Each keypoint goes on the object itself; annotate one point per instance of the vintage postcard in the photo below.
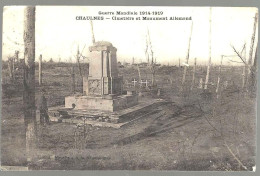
(129, 88)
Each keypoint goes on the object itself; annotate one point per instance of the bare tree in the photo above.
(92, 31)
(187, 58)
(146, 49)
(29, 81)
(78, 61)
(152, 63)
(251, 71)
(78, 57)
(239, 55)
(252, 42)
(209, 61)
(251, 68)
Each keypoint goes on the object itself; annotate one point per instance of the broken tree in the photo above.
(152, 63)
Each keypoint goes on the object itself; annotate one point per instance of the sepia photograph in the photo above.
(129, 88)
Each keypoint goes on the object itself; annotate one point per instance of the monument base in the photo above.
(104, 118)
(105, 103)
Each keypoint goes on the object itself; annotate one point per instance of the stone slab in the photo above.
(101, 103)
(13, 168)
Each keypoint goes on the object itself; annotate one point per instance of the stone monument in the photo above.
(103, 86)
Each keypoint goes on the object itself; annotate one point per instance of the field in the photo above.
(192, 130)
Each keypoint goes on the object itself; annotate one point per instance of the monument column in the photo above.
(102, 78)
(110, 70)
(108, 64)
(105, 73)
(105, 62)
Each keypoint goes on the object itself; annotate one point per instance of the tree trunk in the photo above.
(13, 65)
(17, 56)
(78, 57)
(219, 75)
(252, 42)
(92, 30)
(153, 75)
(10, 68)
(187, 58)
(207, 77)
(249, 81)
(254, 73)
(15, 59)
(184, 76)
(40, 70)
(244, 75)
(194, 72)
(80, 72)
(153, 63)
(29, 82)
(139, 74)
(73, 80)
(209, 61)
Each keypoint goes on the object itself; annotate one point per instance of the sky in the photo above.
(58, 33)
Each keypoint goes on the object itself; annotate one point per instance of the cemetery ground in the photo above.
(192, 130)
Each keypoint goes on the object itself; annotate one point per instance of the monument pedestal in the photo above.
(101, 103)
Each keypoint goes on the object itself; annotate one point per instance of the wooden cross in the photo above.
(146, 83)
(134, 81)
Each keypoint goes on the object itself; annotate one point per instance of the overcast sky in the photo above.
(58, 32)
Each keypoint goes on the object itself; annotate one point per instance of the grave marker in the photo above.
(146, 83)
(134, 81)
(201, 83)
